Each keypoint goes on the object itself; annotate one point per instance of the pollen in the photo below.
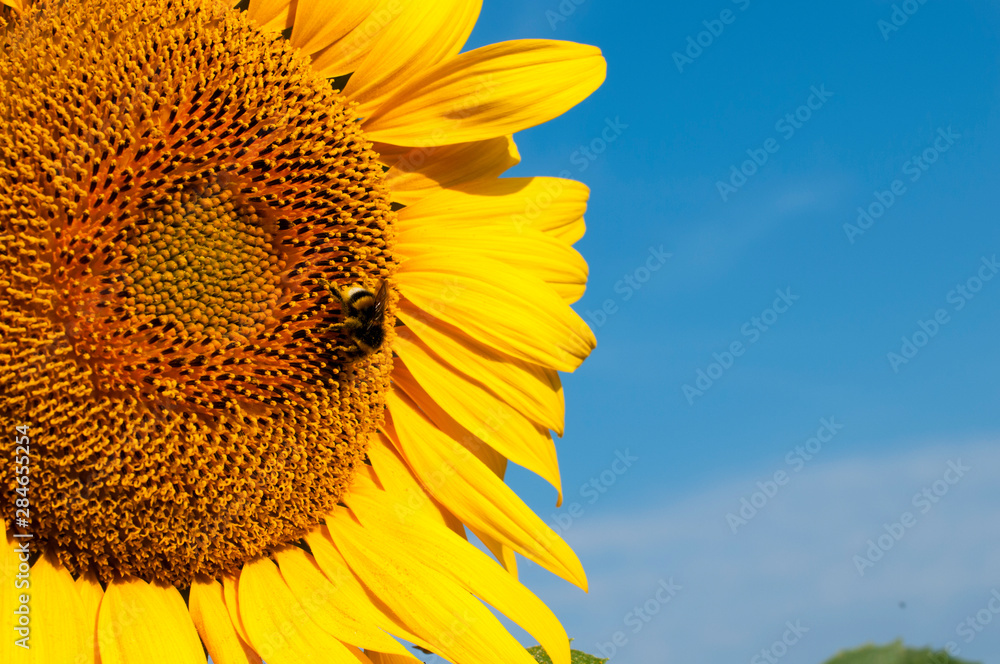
(175, 187)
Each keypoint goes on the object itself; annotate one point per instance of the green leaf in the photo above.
(576, 657)
(894, 653)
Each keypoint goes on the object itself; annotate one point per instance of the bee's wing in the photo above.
(381, 295)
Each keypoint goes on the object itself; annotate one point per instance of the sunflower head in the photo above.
(178, 192)
(272, 326)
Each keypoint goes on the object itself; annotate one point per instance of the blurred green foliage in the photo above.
(894, 653)
(576, 657)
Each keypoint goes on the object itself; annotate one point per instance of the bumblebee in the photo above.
(363, 315)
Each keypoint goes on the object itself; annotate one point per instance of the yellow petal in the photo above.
(505, 555)
(455, 624)
(383, 658)
(425, 34)
(552, 205)
(401, 486)
(474, 493)
(320, 23)
(493, 460)
(366, 607)
(534, 391)
(416, 173)
(271, 15)
(16, 4)
(211, 619)
(497, 305)
(359, 655)
(426, 546)
(91, 593)
(403, 380)
(230, 594)
(57, 628)
(345, 54)
(552, 261)
(491, 91)
(491, 420)
(142, 623)
(278, 626)
(504, 430)
(330, 608)
(9, 593)
(385, 456)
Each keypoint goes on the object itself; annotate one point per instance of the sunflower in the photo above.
(271, 327)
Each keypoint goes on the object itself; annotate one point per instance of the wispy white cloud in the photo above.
(794, 560)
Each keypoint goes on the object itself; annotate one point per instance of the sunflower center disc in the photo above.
(206, 265)
(177, 193)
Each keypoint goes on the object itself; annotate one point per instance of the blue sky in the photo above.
(885, 326)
